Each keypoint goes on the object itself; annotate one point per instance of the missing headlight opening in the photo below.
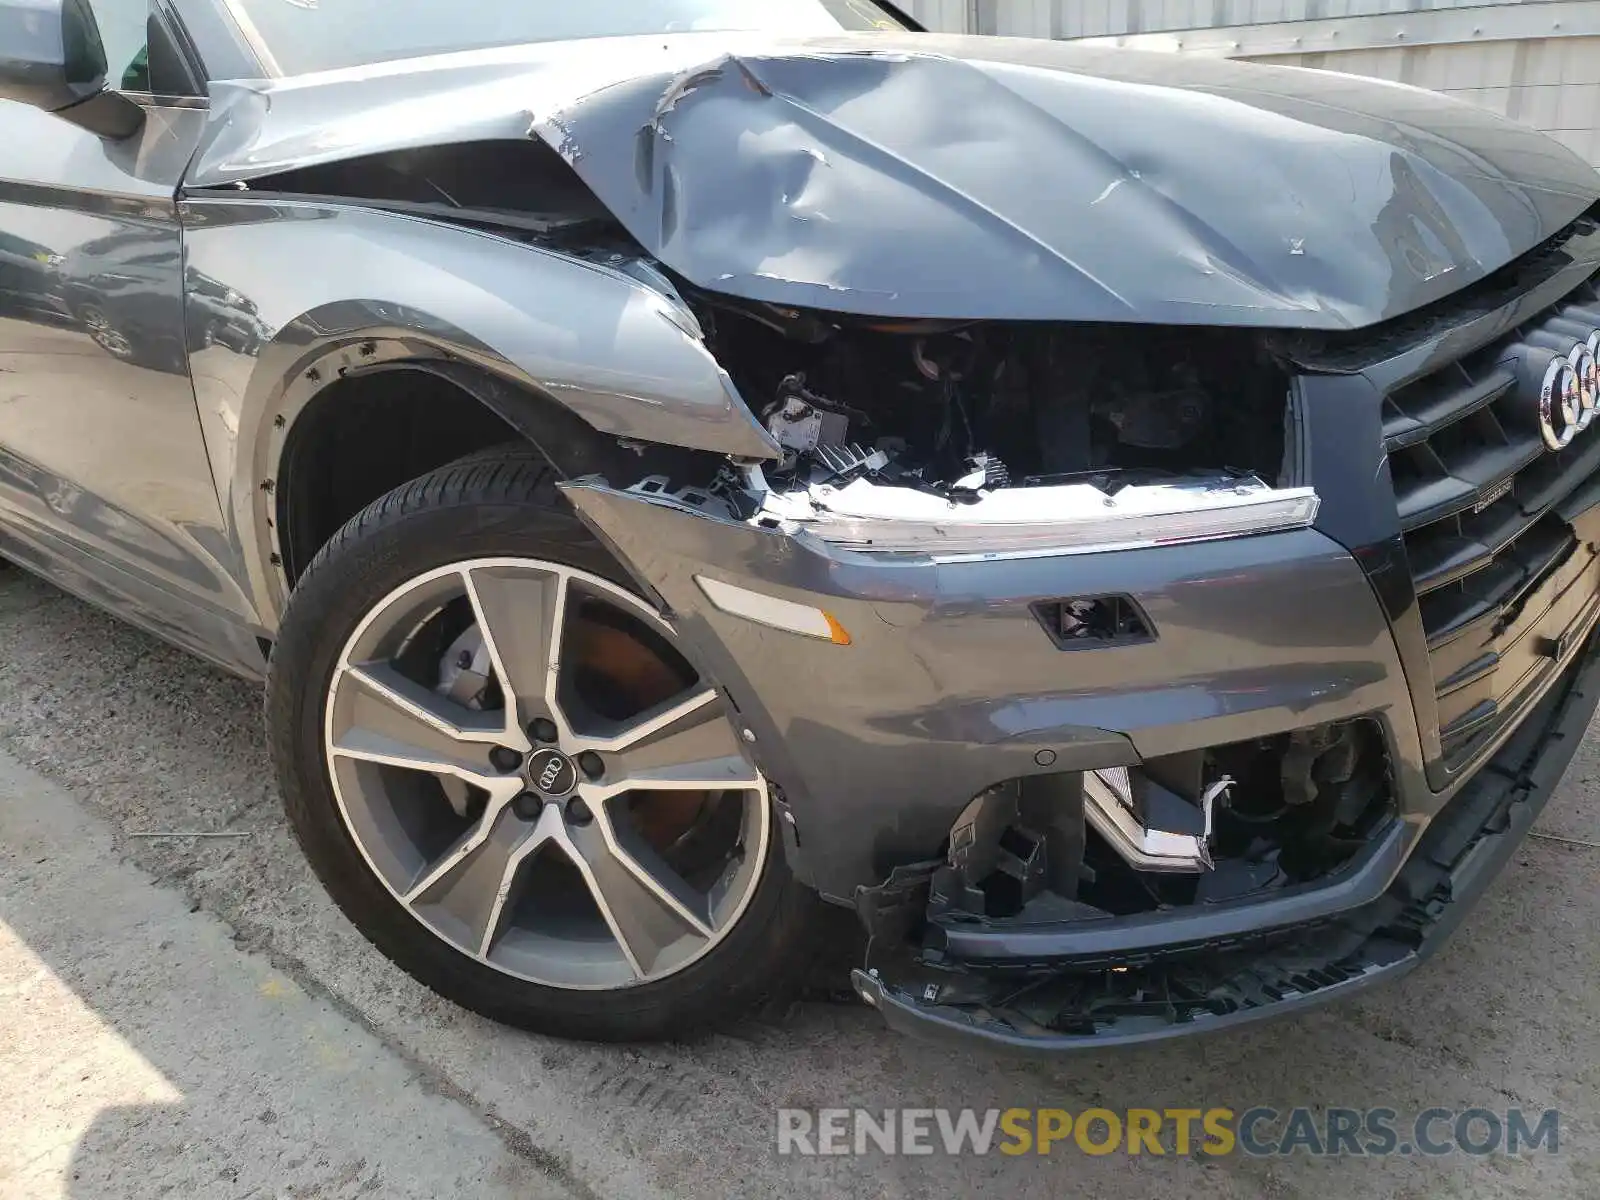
(981, 405)
(982, 439)
(1229, 823)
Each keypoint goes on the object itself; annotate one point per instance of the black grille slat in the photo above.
(1471, 673)
(1523, 649)
(1581, 502)
(1430, 410)
(1449, 550)
(1442, 556)
(1469, 613)
(1556, 476)
(1487, 511)
(1470, 477)
(1428, 500)
(1446, 616)
(1497, 629)
(1464, 726)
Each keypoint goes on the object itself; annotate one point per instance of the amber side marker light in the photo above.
(774, 612)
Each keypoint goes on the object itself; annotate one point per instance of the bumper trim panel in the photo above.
(1122, 938)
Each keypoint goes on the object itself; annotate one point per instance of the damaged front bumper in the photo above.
(935, 680)
(951, 678)
(1226, 980)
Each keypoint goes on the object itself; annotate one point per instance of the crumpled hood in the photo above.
(994, 178)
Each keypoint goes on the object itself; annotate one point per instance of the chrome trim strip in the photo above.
(1077, 517)
(1143, 848)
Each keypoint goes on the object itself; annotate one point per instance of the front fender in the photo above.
(328, 289)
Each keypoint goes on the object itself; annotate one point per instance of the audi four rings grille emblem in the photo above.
(1569, 393)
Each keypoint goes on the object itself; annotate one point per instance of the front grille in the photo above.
(1498, 527)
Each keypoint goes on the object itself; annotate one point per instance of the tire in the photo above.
(492, 509)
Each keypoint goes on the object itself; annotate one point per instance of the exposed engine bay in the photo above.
(906, 422)
(985, 405)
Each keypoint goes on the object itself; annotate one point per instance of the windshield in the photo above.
(321, 35)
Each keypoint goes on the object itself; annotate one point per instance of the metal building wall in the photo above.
(1537, 61)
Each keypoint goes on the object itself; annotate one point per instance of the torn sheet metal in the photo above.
(978, 178)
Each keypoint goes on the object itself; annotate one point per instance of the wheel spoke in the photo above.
(475, 885)
(383, 717)
(467, 844)
(647, 913)
(522, 614)
(687, 745)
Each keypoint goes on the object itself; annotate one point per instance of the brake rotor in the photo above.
(626, 676)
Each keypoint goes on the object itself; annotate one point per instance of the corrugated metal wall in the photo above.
(1537, 61)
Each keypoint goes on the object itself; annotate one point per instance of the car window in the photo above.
(319, 35)
(123, 33)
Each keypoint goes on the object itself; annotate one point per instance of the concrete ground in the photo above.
(193, 1017)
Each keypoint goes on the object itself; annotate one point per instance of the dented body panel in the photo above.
(950, 686)
(974, 178)
(621, 355)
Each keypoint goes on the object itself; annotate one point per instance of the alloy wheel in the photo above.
(106, 335)
(535, 773)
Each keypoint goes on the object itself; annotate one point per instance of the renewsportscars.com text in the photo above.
(1258, 1132)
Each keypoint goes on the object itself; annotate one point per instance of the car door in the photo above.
(105, 483)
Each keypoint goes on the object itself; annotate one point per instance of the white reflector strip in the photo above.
(771, 611)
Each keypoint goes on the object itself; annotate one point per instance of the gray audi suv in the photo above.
(1126, 527)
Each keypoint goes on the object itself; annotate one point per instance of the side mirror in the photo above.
(51, 57)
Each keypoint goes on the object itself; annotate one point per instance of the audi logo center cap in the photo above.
(552, 774)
